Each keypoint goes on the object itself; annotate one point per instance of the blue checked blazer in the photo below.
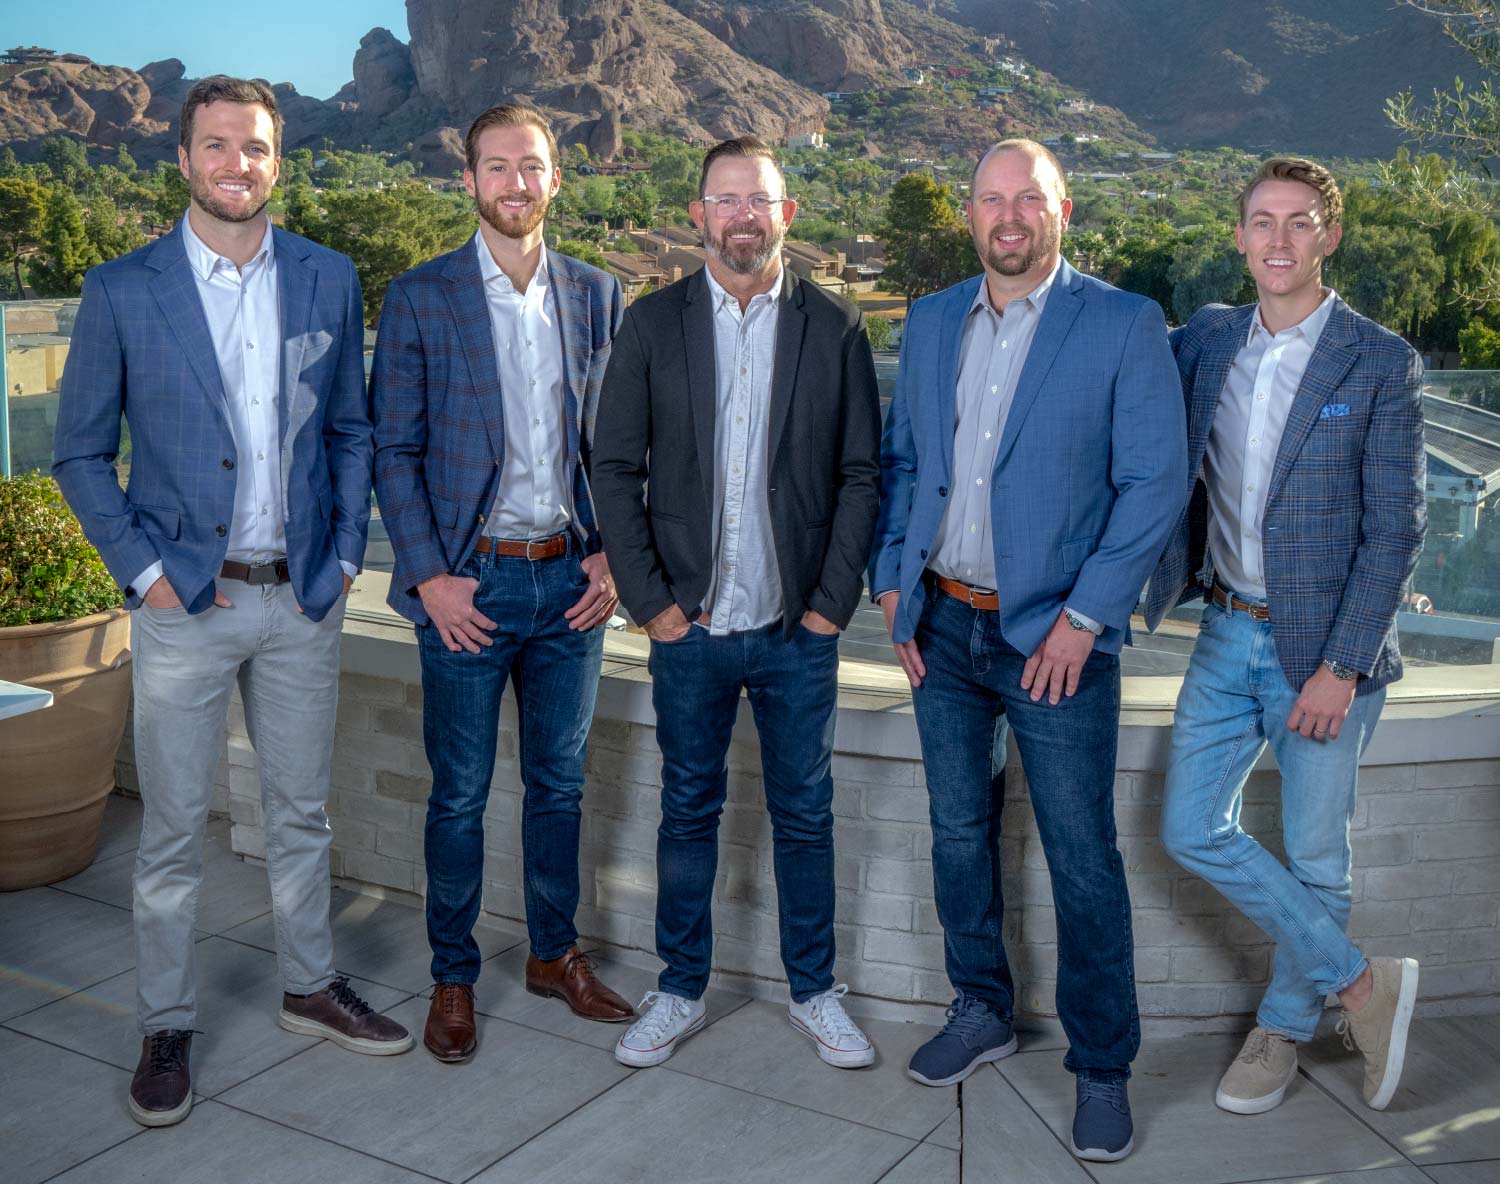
(141, 346)
(1346, 510)
(439, 425)
(1089, 476)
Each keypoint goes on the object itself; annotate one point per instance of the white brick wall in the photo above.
(1426, 838)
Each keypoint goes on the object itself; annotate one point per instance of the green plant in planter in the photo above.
(48, 570)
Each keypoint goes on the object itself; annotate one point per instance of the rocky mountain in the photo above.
(1306, 75)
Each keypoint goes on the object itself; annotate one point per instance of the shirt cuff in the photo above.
(349, 569)
(142, 583)
(1089, 623)
(883, 592)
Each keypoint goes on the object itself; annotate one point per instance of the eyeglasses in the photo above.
(725, 205)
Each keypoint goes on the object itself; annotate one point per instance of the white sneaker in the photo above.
(839, 1041)
(665, 1019)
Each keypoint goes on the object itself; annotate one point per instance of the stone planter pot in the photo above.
(58, 765)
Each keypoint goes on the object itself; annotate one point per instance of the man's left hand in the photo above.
(596, 605)
(1321, 707)
(816, 622)
(1054, 669)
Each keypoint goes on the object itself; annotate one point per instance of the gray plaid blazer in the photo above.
(1346, 510)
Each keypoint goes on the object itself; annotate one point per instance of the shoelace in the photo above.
(449, 995)
(168, 1051)
(1106, 1089)
(343, 994)
(967, 1018)
(829, 1012)
(1345, 1029)
(661, 1011)
(1257, 1049)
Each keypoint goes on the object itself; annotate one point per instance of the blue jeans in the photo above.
(1234, 700)
(793, 688)
(973, 681)
(555, 672)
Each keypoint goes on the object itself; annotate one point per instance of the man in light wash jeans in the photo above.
(233, 350)
(1307, 472)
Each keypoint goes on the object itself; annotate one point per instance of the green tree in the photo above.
(301, 209)
(125, 162)
(596, 195)
(880, 332)
(66, 157)
(23, 211)
(927, 244)
(9, 165)
(66, 250)
(1206, 268)
(1389, 273)
(1479, 346)
(170, 194)
(110, 233)
(588, 252)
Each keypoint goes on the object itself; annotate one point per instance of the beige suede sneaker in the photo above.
(1258, 1078)
(1378, 1029)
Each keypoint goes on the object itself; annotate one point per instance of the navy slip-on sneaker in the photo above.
(972, 1036)
(1102, 1127)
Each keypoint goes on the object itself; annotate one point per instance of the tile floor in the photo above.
(544, 1101)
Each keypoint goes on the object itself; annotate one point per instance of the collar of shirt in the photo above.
(495, 278)
(204, 260)
(1311, 326)
(722, 298)
(1037, 297)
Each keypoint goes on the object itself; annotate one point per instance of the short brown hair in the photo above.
(1297, 168)
(508, 115)
(221, 88)
(739, 146)
(1030, 148)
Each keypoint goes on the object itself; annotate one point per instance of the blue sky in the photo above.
(309, 43)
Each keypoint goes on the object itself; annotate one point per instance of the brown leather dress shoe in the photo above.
(571, 978)
(449, 1034)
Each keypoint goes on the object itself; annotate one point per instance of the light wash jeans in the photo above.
(183, 671)
(1234, 701)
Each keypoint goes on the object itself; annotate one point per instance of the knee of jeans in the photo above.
(1326, 870)
(1184, 841)
(801, 826)
(689, 822)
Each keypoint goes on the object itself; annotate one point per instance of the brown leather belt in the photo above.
(274, 572)
(979, 598)
(549, 548)
(1224, 598)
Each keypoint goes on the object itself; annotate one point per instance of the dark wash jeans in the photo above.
(695, 688)
(1068, 751)
(555, 673)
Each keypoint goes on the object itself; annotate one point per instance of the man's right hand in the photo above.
(161, 594)
(449, 601)
(667, 625)
(906, 651)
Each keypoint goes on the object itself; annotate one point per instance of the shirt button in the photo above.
(533, 382)
(978, 480)
(263, 511)
(986, 435)
(536, 422)
(1249, 489)
(1005, 345)
(1254, 440)
(736, 470)
(994, 390)
(260, 456)
(973, 527)
(255, 402)
(1260, 396)
(480, 519)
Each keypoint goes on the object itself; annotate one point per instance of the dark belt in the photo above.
(549, 548)
(1224, 598)
(980, 598)
(273, 572)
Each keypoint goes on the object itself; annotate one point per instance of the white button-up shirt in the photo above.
(243, 310)
(535, 498)
(744, 589)
(1244, 439)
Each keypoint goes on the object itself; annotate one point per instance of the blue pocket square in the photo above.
(1332, 410)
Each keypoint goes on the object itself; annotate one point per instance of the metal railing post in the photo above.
(4, 402)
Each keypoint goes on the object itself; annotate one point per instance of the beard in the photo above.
(746, 258)
(514, 224)
(207, 198)
(1020, 262)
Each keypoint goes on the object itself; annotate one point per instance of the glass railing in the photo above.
(1452, 616)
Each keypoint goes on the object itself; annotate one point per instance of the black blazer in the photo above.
(656, 421)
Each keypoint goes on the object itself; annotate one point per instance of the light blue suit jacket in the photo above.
(1090, 475)
(141, 347)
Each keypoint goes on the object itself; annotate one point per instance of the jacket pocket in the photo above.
(444, 512)
(159, 520)
(1074, 552)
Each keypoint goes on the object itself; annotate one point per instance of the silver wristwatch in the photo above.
(1076, 621)
(1340, 671)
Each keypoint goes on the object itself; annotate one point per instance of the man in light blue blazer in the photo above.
(233, 350)
(1307, 474)
(1033, 465)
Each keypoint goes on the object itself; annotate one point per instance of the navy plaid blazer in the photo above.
(1346, 510)
(439, 425)
(141, 346)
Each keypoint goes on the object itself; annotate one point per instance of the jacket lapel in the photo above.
(297, 285)
(951, 341)
(1209, 377)
(1330, 362)
(702, 393)
(570, 304)
(1062, 308)
(176, 294)
(791, 326)
(471, 318)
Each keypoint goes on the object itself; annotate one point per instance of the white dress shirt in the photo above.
(1244, 439)
(243, 309)
(535, 498)
(744, 590)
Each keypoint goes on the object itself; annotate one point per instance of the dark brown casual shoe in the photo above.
(449, 1035)
(336, 1013)
(161, 1092)
(571, 978)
